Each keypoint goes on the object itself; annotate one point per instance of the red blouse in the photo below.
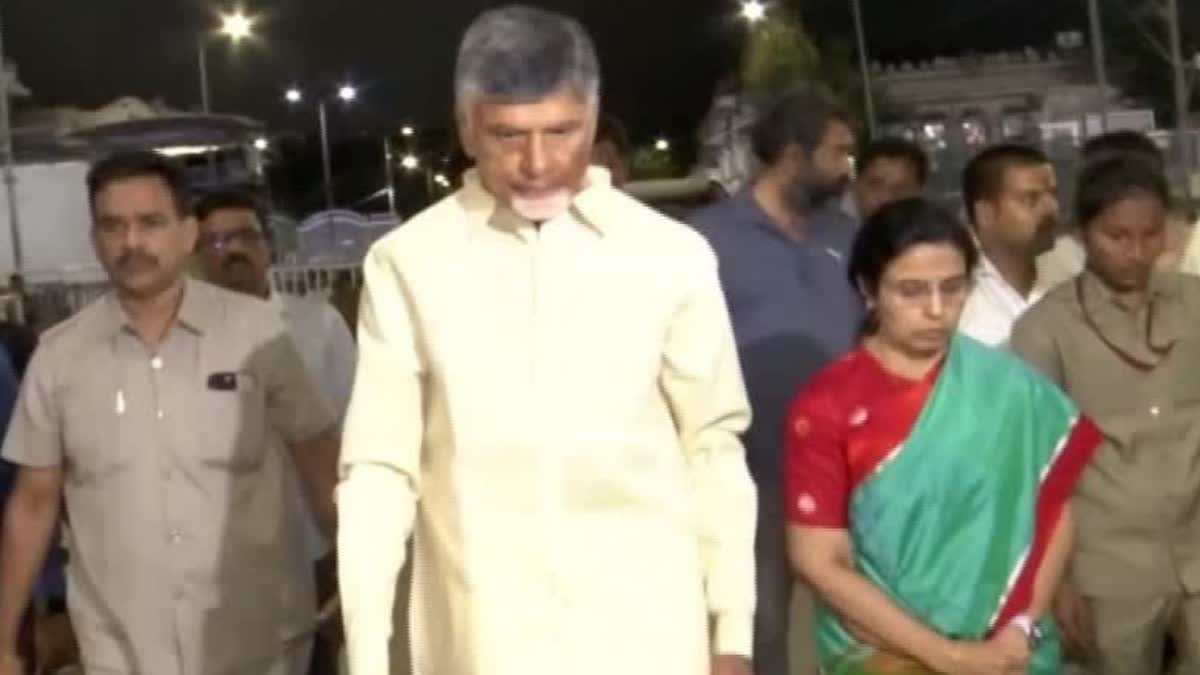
(841, 425)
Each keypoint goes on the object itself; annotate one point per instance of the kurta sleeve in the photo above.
(703, 385)
(380, 465)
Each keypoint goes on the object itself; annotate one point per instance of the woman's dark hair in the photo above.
(1122, 143)
(1112, 178)
(896, 228)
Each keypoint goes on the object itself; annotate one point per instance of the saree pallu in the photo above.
(963, 481)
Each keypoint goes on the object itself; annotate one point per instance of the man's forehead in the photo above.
(892, 166)
(1029, 176)
(837, 132)
(231, 217)
(135, 192)
(555, 108)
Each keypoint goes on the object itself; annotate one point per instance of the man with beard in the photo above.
(168, 414)
(235, 254)
(1011, 199)
(782, 246)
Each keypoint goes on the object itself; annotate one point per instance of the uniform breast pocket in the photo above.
(232, 428)
(92, 434)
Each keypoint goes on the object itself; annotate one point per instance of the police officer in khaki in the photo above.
(1123, 340)
(165, 412)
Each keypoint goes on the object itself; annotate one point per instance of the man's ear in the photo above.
(466, 131)
(983, 215)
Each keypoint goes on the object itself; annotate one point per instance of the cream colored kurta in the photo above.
(554, 413)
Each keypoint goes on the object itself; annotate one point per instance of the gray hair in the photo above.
(522, 54)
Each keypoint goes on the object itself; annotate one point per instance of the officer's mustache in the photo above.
(235, 258)
(136, 259)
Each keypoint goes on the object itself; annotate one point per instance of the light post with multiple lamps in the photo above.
(346, 93)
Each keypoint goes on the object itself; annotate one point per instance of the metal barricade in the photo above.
(317, 280)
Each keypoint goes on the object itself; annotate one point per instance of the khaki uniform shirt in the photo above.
(1138, 503)
(187, 549)
(560, 408)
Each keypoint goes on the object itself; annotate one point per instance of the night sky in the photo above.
(661, 57)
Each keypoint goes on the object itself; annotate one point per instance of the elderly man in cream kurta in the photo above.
(548, 397)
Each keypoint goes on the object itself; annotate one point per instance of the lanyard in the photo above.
(1134, 362)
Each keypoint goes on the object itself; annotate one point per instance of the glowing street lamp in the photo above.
(754, 11)
(237, 26)
(346, 93)
(410, 162)
(261, 144)
(407, 131)
(662, 145)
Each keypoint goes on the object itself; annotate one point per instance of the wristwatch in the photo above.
(1025, 624)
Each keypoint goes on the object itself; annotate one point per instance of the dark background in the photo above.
(661, 57)
(661, 61)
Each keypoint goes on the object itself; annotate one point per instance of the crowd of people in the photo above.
(600, 440)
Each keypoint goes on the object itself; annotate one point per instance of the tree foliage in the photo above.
(780, 51)
(1139, 58)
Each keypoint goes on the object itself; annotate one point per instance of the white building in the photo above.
(1027, 95)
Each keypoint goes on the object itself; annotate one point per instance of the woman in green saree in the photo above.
(928, 476)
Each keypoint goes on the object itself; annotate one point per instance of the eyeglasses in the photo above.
(918, 291)
(1161, 351)
(218, 242)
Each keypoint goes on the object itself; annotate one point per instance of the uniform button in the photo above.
(156, 363)
(1155, 411)
(160, 414)
(176, 536)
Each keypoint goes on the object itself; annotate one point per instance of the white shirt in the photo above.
(325, 344)
(554, 412)
(327, 349)
(993, 306)
(1062, 263)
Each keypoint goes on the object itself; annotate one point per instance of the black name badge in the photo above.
(223, 381)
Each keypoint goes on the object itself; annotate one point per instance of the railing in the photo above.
(313, 279)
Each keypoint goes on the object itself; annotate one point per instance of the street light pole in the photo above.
(389, 175)
(6, 149)
(1098, 60)
(202, 62)
(347, 93)
(325, 160)
(237, 27)
(1181, 102)
(863, 62)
